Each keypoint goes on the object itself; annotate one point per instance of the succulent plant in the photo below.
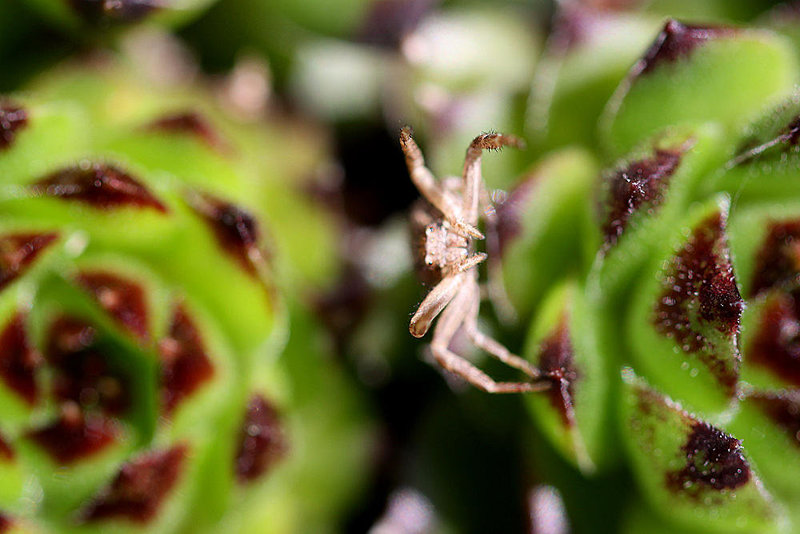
(657, 265)
(146, 381)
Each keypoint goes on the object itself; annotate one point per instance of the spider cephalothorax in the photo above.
(444, 225)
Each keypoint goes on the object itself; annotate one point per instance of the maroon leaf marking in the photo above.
(778, 260)
(509, 214)
(74, 435)
(19, 360)
(6, 452)
(110, 12)
(641, 184)
(5, 523)
(752, 147)
(572, 26)
(580, 23)
(235, 229)
(387, 22)
(17, 252)
(12, 119)
(677, 41)
(122, 299)
(713, 460)
(784, 410)
(345, 304)
(185, 364)
(776, 343)
(190, 123)
(262, 442)
(100, 185)
(557, 361)
(612, 5)
(140, 488)
(791, 133)
(81, 372)
(700, 302)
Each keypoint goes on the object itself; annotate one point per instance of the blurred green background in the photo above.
(327, 85)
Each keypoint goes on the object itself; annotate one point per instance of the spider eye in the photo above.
(428, 261)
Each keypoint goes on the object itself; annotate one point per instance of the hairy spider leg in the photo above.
(427, 185)
(494, 347)
(434, 302)
(452, 318)
(469, 262)
(473, 180)
(441, 295)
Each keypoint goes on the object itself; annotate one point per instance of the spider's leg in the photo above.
(473, 182)
(492, 346)
(434, 303)
(470, 262)
(452, 318)
(444, 200)
(464, 229)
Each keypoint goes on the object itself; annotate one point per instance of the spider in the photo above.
(444, 225)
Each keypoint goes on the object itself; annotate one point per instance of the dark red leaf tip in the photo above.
(140, 488)
(262, 441)
(388, 22)
(17, 252)
(580, 23)
(557, 362)
(235, 229)
(791, 132)
(185, 365)
(510, 212)
(123, 299)
(677, 41)
(5, 523)
(19, 360)
(100, 185)
(641, 184)
(189, 123)
(783, 409)
(68, 336)
(81, 372)
(700, 306)
(12, 119)
(6, 452)
(776, 342)
(74, 435)
(752, 148)
(777, 262)
(114, 12)
(714, 460)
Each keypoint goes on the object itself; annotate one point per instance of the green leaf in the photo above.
(769, 425)
(697, 74)
(588, 54)
(541, 223)
(696, 471)
(684, 323)
(574, 414)
(643, 196)
(764, 241)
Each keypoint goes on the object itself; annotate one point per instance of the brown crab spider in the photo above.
(445, 226)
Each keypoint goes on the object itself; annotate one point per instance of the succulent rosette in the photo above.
(659, 268)
(146, 383)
